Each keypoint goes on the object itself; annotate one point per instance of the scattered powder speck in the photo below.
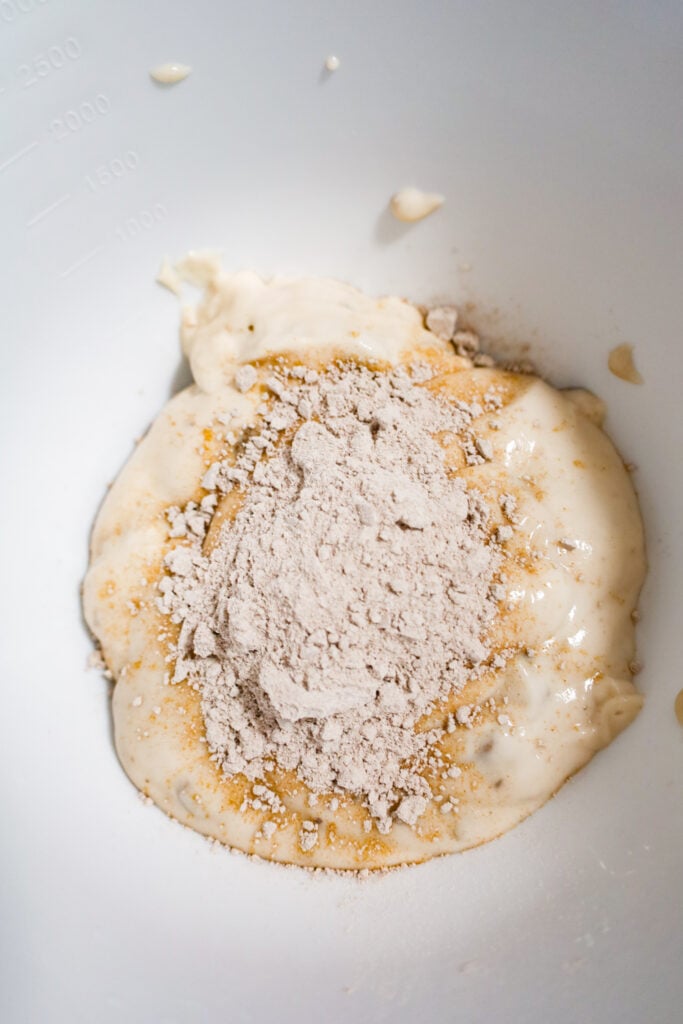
(308, 836)
(485, 448)
(466, 343)
(464, 714)
(442, 321)
(410, 809)
(245, 378)
(96, 661)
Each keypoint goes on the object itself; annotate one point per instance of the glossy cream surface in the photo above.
(574, 567)
(170, 73)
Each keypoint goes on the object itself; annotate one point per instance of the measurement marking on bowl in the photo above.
(145, 220)
(10, 10)
(77, 118)
(53, 58)
(17, 156)
(80, 262)
(110, 170)
(42, 214)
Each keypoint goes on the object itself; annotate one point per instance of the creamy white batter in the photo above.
(170, 73)
(575, 566)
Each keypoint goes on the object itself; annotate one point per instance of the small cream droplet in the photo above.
(678, 706)
(411, 204)
(170, 73)
(332, 63)
(620, 362)
(169, 277)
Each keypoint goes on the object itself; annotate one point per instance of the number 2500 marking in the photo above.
(54, 58)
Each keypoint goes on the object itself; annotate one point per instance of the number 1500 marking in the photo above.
(108, 172)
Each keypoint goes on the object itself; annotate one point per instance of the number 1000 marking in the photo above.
(143, 221)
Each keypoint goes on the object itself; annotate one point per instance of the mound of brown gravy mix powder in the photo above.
(352, 590)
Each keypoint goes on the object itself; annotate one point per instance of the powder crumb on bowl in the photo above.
(466, 343)
(621, 364)
(170, 73)
(442, 321)
(412, 204)
(245, 378)
(410, 809)
(96, 662)
(308, 836)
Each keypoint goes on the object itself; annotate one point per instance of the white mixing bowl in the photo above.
(554, 131)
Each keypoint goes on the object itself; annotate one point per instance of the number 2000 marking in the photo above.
(78, 117)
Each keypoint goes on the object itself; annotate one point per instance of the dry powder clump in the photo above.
(352, 591)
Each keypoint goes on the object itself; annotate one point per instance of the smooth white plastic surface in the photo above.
(554, 131)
